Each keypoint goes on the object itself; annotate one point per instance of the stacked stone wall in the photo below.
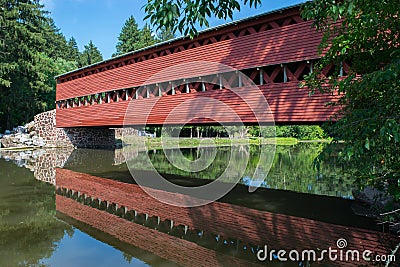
(45, 125)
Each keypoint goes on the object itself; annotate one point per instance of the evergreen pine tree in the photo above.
(165, 34)
(129, 38)
(90, 55)
(73, 51)
(146, 37)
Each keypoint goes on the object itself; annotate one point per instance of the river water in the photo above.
(83, 208)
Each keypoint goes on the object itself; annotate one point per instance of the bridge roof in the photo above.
(181, 38)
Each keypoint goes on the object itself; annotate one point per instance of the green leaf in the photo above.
(367, 143)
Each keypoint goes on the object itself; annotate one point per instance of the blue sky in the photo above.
(101, 20)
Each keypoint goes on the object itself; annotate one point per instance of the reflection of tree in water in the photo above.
(28, 228)
(292, 167)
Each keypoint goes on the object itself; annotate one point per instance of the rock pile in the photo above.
(25, 159)
(22, 136)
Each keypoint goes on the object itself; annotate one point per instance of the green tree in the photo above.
(132, 38)
(165, 34)
(73, 51)
(56, 45)
(364, 34)
(129, 38)
(21, 75)
(90, 55)
(32, 52)
(146, 37)
(183, 16)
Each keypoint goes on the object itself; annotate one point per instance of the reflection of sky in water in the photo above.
(83, 250)
(260, 180)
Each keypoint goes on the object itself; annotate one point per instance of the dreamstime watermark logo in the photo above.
(227, 98)
(334, 254)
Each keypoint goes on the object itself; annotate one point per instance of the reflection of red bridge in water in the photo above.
(215, 234)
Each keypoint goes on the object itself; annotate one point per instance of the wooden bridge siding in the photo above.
(230, 221)
(288, 104)
(288, 13)
(285, 44)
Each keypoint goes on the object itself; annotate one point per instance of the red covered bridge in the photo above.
(273, 50)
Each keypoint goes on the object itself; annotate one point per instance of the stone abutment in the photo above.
(46, 128)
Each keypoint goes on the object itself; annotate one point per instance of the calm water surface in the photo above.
(82, 208)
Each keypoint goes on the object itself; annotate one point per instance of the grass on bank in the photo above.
(158, 143)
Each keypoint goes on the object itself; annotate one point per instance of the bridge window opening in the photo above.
(170, 92)
(331, 70)
(221, 37)
(110, 97)
(141, 93)
(291, 69)
(297, 70)
(95, 99)
(152, 91)
(306, 71)
(231, 80)
(258, 28)
(280, 22)
(129, 93)
(241, 32)
(252, 74)
(117, 95)
(285, 21)
(103, 97)
(292, 21)
(346, 67)
(208, 87)
(186, 46)
(199, 87)
(274, 74)
(165, 88)
(285, 76)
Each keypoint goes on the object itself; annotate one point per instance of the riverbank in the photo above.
(159, 143)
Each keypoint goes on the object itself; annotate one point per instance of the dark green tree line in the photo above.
(32, 52)
(132, 38)
(90, 55)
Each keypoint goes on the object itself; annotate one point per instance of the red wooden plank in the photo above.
(286, 101)
(240, 53)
